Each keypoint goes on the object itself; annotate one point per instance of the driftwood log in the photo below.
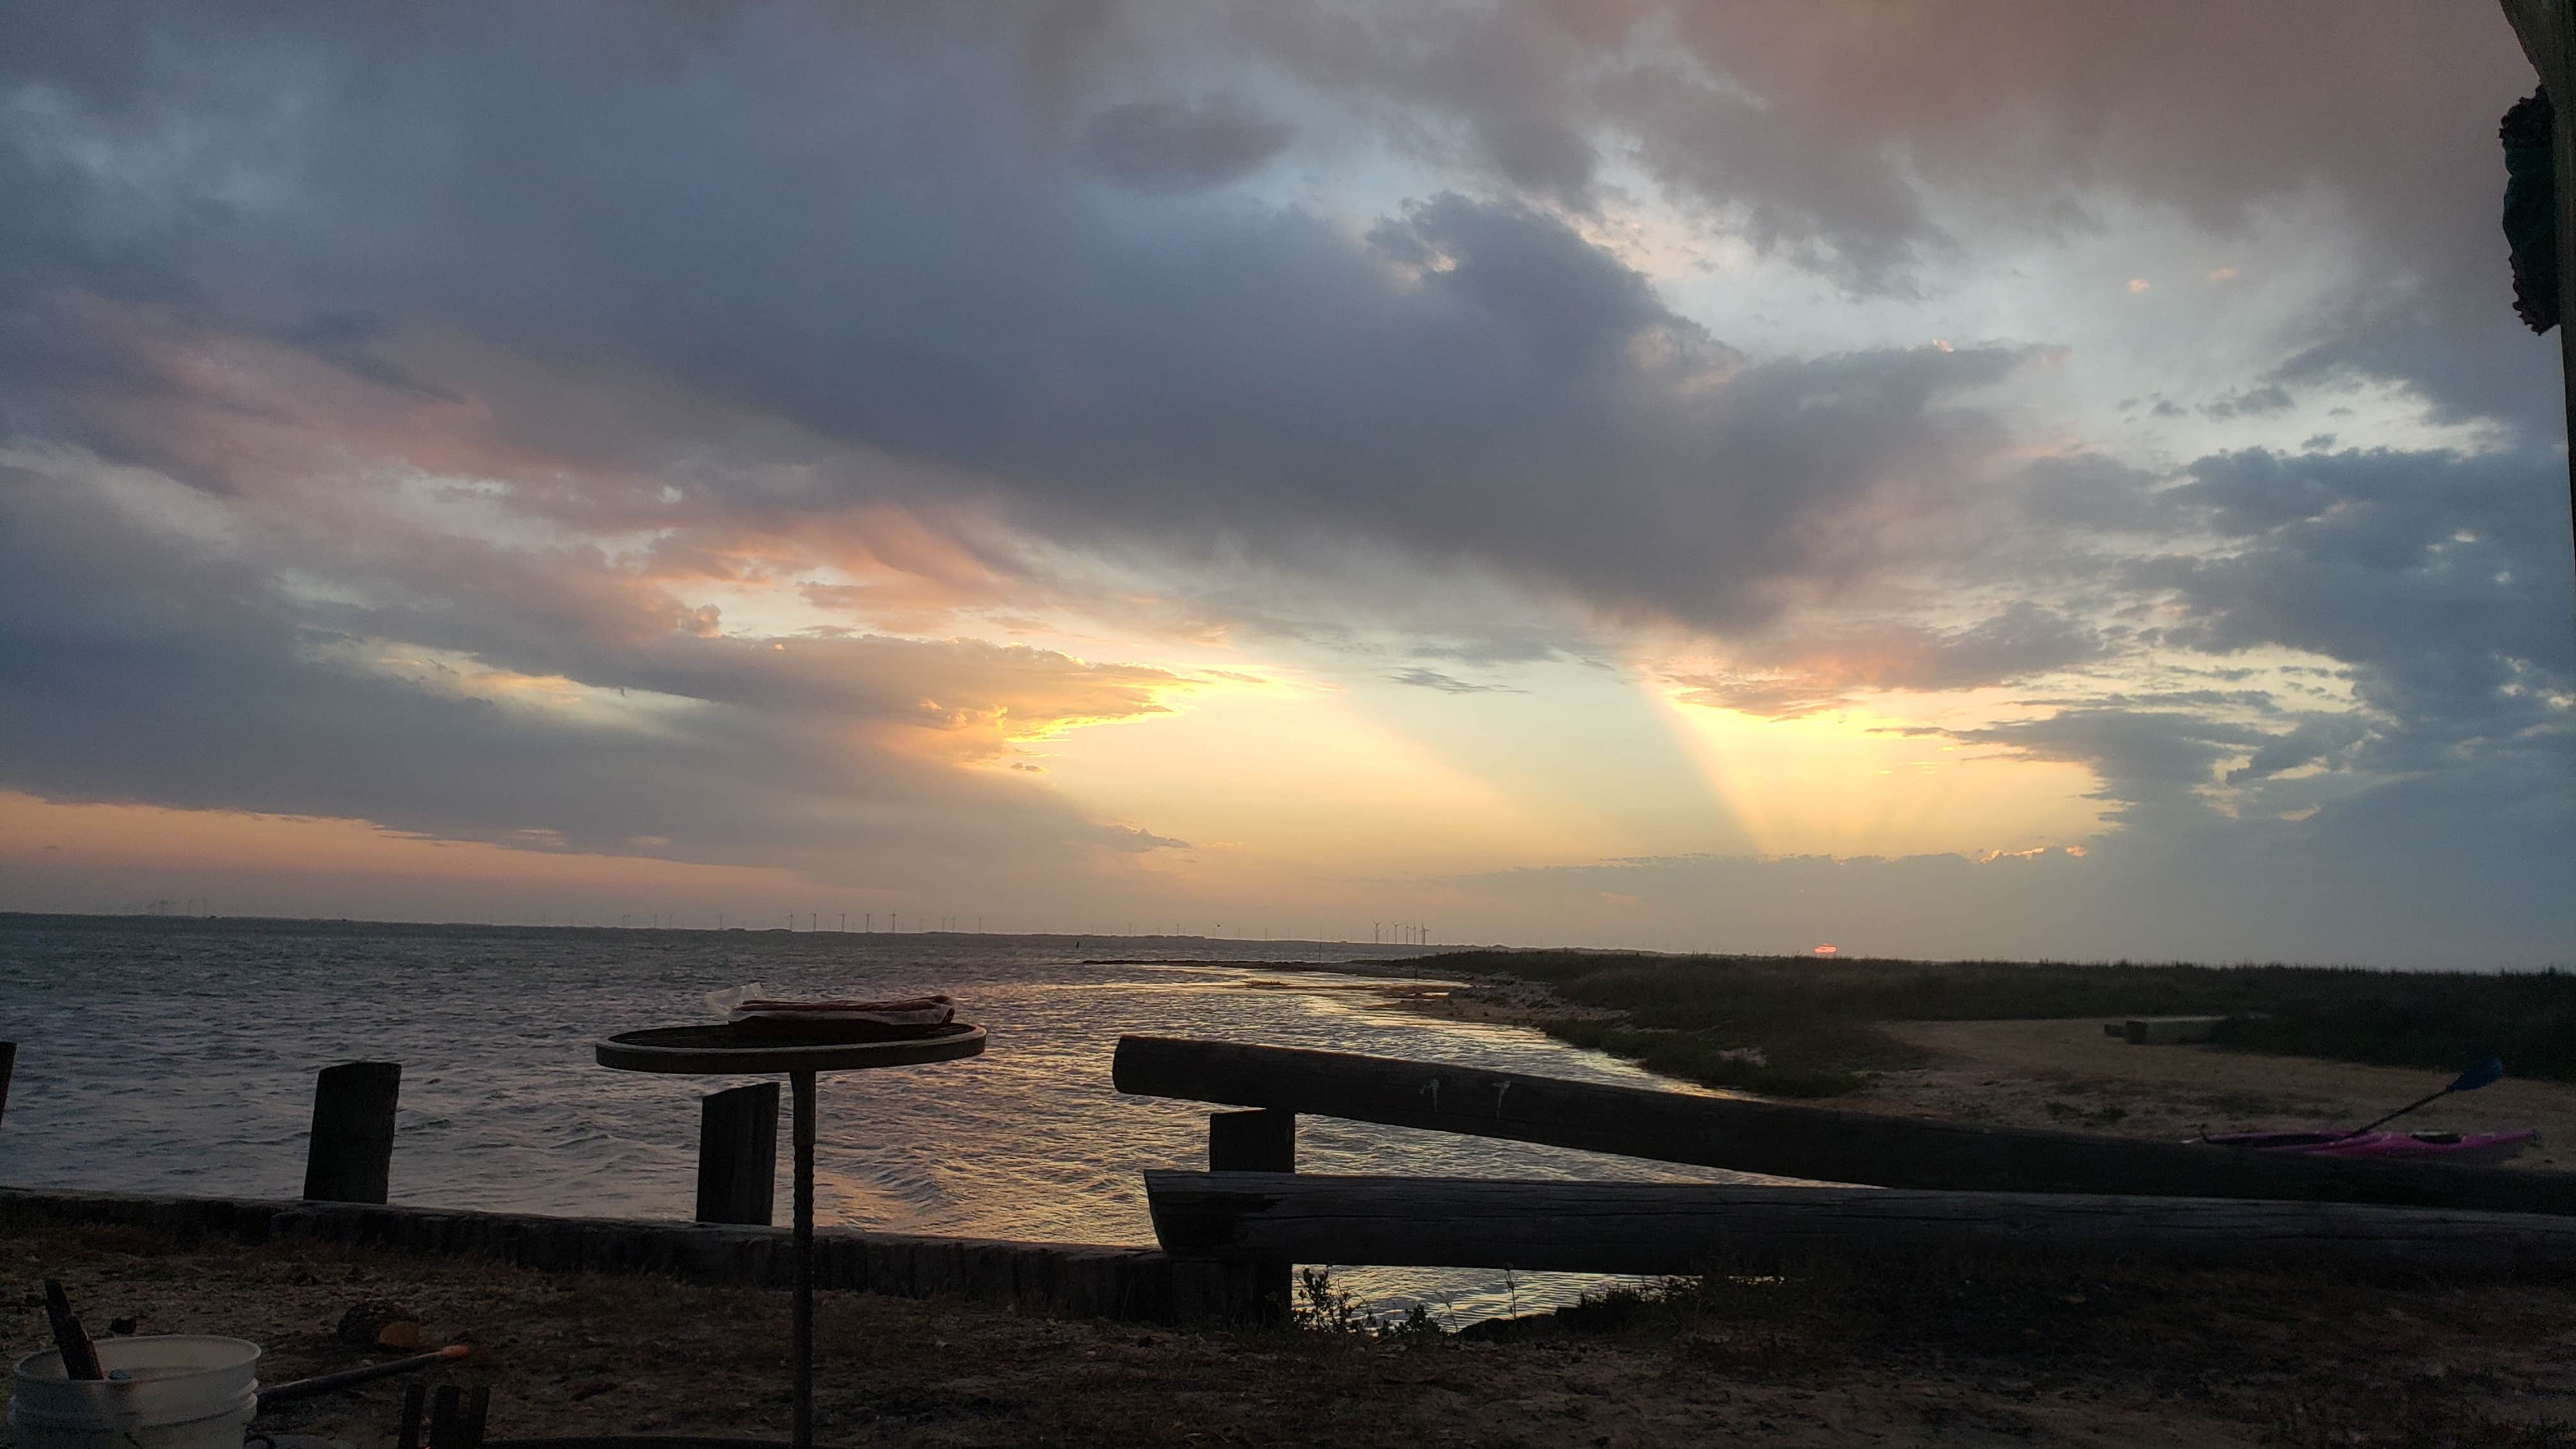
(1815, 1144)
(1668, 1228)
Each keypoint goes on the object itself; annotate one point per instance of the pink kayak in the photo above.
(2447, 1146)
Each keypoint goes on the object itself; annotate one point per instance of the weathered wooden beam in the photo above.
(1814, 1143)
(738, 1155)
(350, 1156)
(1122, 1282)
(1663, 1228)
(2169, 1030)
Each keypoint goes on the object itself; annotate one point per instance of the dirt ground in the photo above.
(1932, 1356)
(2068, 1074)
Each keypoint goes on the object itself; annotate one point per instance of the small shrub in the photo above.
(1324, 1307)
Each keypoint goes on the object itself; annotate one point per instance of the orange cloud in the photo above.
(151, 845)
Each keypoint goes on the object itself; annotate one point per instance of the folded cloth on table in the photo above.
(752, 1010)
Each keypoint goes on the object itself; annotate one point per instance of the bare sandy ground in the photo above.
(2048, 1357)
(2068, 1074)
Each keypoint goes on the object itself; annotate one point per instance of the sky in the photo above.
(1944, 479)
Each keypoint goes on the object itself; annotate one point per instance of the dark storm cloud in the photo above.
(2459, 350)
(2149, 762)
(2442, 579)
(2248, 402)
(346, 341)
(2312, 741)
(1497, 89)
(881, 252)
(793, 261)
(2441, 584)
(1826, 141)
(1816, 668)
(1829, 134)
(1165, 146)
(2023, 640)
(1447, 683)
(2213, 107)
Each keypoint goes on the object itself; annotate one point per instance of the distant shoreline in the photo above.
(336, 924)
(2060, 1072)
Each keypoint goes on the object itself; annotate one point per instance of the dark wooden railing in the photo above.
(1814, 1144)
(1921, 1184)
(1668, 1228)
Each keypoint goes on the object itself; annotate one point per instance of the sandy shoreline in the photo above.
(2065, 1073)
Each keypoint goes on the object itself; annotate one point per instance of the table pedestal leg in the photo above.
(803, 1086)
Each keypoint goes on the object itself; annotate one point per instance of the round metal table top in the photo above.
(722, 1051)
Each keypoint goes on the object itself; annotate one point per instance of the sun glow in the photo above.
(1857, 780)
(1293, 771)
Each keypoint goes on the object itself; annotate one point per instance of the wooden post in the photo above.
(8, 1060)
(738, 1155)
(802, 1325)
(351, 1155)
(415, 1402)
(442, 1417)
(1261, 1140)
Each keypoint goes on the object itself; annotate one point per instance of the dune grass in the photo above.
(1797, 1026)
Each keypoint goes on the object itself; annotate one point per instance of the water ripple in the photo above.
(153, 1058)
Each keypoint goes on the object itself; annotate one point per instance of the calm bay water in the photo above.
(161, 1056)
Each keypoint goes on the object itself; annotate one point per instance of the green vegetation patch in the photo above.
(1798, 1026)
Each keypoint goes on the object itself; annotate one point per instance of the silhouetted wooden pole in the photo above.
(802, 1324)
(350, 1158)
(738, 1155)
(8, 1063)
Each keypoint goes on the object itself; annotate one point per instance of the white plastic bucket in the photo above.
(182, 1391)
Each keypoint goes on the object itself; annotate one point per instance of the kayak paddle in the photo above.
(2485, 1074)
(346, 1378)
